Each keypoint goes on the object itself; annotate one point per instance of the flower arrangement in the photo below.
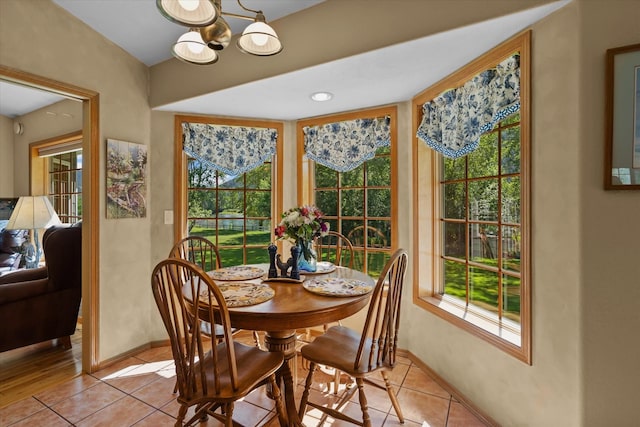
(301, 225)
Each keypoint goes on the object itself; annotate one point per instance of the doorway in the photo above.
(90, 201)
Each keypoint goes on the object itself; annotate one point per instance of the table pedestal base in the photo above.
(285, 341)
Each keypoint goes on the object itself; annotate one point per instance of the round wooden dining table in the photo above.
(293, 307)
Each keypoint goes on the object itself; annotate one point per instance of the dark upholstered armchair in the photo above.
(42, 304)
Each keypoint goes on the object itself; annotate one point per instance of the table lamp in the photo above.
(33, 213)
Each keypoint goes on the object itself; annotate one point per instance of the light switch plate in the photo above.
(168, 217)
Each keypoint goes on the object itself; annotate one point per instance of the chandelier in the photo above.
(209, 32)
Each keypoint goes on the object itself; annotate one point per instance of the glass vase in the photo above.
(307, 260)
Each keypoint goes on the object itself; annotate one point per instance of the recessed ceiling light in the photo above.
(321, 96)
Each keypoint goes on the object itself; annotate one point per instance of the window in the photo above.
(233, 210)
(65, 185)
(472, 221)
(359, 203)
(56, 170)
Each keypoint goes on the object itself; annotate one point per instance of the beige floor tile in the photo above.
(157, 393)
(67, 389)
(124, 412)
(459, 416)
(422, 407)
(19, 410)
(85, 403)
(416, 379)
(45, 417)
(376, 398)
(353, 410)
(156, 419)
(392, 420)
(135, 378)
(259, 398)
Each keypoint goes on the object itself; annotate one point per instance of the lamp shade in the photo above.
(259, 39)
(191, 13)
(192, 49)
(33, 212)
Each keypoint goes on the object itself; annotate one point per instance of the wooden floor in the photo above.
(28, 370)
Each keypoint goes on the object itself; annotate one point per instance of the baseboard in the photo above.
(462, 399)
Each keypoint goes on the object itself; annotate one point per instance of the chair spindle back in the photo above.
(380, 332)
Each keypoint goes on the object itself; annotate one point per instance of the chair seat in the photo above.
(257, 366)
(337, 348)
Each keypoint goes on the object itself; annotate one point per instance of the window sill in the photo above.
(504, 334)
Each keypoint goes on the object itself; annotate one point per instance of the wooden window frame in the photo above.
(427, 240)
(306, 189)
(180, 167)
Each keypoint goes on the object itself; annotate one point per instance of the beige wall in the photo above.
(54, 120)
(39, 37)
(6, 157)
(609, 233)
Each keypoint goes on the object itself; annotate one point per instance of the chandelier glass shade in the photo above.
(209, 32)
(259, 39)
(192, 49)
(191, 13)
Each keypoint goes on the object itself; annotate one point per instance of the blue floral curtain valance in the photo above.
(230, 149)
(343, 146)
(453, 122)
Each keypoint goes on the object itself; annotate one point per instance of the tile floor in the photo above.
(138, 391)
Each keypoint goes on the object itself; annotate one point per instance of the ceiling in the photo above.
(380, 77)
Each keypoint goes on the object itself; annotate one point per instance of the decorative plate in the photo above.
(323, 267)
(337, 287)
(240, 294)
(237, 272)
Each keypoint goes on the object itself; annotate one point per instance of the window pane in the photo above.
(257, 255)
(376, 262)
(383, 150)
(203, 227)
(511, 150)
(454, 274)
(454, 240)
(327, 202)
(353, 230)
(484, 160)
(258, 232)
(233, 227)
(454, 201)
(484, 243)
(259, 177)
(483, 200)
(325, 177)
(379, 202)
(352, 202)
(511, 297)
(202, 203)
(452, 168)
(511, 248)
(379, 234)
(353, 178)
(258, 203)
(379, 171)
(511, 200)
(231, 201)
(483, 288)
(231, 256)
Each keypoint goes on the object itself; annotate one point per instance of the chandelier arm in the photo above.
(247, 9)
(235, 15)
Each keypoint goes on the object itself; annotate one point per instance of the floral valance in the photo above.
(453, 122)
(343, 146)
(230, 149)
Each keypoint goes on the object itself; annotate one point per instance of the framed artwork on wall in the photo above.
(126, 179)
(622, 156)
